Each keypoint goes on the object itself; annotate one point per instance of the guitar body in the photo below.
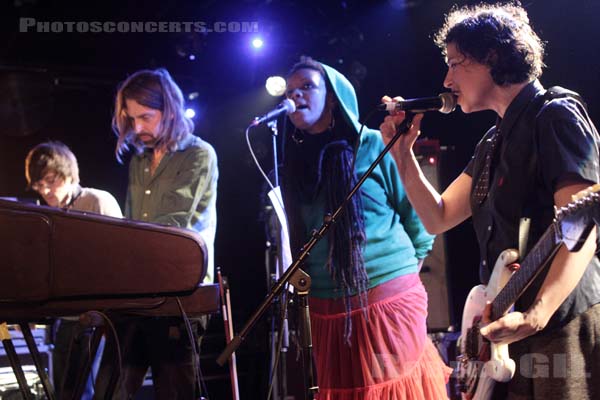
(482, 363)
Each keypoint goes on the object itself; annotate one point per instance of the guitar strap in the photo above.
(524, 224)
(556, 92)
(536, 106)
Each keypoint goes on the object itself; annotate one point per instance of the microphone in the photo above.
(444, 103)
(287, 106)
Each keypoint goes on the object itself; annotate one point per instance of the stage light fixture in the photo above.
(257, 43)
(190, 113)
(275, 85)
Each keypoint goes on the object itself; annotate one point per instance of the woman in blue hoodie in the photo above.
(368, 305)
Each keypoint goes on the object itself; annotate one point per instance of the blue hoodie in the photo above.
(396, 239)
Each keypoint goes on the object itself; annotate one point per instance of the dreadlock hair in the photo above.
(333, 177)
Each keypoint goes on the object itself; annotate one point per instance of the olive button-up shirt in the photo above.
(182, 192)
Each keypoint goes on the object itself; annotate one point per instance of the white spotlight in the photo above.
(190, 113)
(275, 85)
(257, 43)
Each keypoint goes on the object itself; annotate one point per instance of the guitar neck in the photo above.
(531, 266)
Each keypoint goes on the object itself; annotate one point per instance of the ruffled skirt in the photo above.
(390, 356)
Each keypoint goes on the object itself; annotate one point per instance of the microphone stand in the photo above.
(273, 126)
(278, 353)
(295, 276)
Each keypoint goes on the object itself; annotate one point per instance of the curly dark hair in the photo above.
(496, 35)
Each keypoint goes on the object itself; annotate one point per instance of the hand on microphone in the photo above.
(402, 150)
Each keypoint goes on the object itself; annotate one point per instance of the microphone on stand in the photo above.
(444, 103)
(287, 106)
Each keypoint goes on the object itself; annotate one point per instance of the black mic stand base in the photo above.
(301, 282)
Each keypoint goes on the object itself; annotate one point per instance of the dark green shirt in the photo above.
(182, 192)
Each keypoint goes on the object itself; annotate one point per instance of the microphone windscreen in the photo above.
(448, 102)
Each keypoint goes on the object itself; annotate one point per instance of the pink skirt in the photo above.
(390, 356)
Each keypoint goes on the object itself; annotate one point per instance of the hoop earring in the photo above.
(332, 123)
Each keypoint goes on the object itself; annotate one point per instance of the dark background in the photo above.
(61, 86)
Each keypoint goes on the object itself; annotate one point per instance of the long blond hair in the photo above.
(155, 89)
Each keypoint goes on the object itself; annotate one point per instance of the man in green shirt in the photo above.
(172, 181)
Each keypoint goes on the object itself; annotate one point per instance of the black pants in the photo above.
(70, 336)
(162, 344)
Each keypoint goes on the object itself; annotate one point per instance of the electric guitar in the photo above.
(482, 363)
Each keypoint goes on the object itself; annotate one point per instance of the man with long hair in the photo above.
(172, 181)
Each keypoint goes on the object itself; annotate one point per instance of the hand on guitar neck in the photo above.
(513, 327)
